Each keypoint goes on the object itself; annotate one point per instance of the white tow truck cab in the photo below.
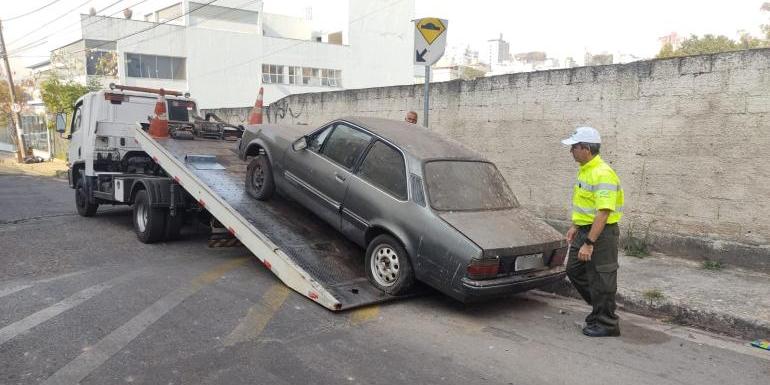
(107, 165)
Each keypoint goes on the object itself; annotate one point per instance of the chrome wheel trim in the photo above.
(141, 217)
(385, 265)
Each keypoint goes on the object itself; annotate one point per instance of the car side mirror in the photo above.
(299, 144)
(61, 122)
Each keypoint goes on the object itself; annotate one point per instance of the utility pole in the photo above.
(21, 152)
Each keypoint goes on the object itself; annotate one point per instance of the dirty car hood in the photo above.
(509, 231)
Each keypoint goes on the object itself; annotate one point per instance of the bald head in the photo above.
(411, 117)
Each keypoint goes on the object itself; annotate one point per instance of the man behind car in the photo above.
(597, 204)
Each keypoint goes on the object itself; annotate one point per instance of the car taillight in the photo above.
(558, 256)
(483, 268)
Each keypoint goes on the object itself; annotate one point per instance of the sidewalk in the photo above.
(55, 168)
(728, 300)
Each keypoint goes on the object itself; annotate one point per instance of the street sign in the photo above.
(16, 107)
(429, 40)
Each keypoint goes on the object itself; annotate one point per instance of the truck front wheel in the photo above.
(83, 204)
(149, 222)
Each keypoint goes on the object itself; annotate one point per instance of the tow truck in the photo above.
(195, 172)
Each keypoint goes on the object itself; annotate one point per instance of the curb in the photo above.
(677, 313)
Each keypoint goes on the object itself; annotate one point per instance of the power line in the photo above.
(25, 47)
(31, 12)
(52, 21)
(146, 29)
(236, 8)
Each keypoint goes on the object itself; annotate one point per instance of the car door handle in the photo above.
(339, 178)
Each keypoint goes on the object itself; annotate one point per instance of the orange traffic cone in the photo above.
(159, 123)
(255, 117)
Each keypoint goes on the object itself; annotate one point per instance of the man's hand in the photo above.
(584, 254)
(571, 234)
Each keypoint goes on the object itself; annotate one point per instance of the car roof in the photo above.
(415, 139)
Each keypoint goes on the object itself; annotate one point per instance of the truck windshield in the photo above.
(467, 186)
(179, 110)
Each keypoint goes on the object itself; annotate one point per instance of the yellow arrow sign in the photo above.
(430, 28)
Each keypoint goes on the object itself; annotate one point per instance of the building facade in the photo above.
(223, 52)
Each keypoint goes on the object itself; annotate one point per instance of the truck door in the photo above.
(75, 150)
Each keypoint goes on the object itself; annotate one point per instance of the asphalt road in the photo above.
(81, 300)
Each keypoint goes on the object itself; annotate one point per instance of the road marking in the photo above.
(12, 289)
(259, 315)
(364, 314)
(41, 316)
(87, 362)
(19, 286)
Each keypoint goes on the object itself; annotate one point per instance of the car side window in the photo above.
(76, 120)
(316, 140)
(384, 167)
(345, 145)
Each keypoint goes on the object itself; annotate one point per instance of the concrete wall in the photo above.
(689, 138)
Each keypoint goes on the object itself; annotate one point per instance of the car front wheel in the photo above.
(259, 178)
(388, 266)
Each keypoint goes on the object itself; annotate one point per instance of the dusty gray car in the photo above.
(425, 208)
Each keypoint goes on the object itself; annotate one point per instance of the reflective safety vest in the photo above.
(597, 187)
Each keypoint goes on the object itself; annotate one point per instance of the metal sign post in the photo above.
(429, 43)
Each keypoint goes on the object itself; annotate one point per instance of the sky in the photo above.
(559, 27)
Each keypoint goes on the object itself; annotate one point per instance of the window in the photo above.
(102, 63)
(345, 145)
(310, 77)
(384, 167)
(317, 139)
(272, 73)
(155, 67)
(179, 110)
(330, 78)
(482, 186)
(133, 65)
(295, 75)
(76, 120)
(164, 67)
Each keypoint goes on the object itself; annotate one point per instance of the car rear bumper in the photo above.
(481, 289)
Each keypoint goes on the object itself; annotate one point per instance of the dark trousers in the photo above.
(596, 280)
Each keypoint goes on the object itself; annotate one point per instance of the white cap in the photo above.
(584, 135)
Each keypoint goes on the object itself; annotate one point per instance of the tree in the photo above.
(5, 100)
(60, 96)
(765, 27)
(695, 45)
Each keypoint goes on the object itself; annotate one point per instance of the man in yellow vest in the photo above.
(597, 206)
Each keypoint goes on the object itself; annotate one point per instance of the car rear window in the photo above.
(384, 167)
(467, 186)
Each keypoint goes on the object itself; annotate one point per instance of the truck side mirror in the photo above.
(61, 122)
(299, 144)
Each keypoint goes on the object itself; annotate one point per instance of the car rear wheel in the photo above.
(259, 178)
(388, 266)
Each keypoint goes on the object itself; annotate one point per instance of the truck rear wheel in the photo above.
(84, 206)
(149, 222)
(259, 178)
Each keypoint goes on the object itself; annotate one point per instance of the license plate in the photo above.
(529, 262)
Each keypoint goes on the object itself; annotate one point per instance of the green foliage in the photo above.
(653, 295)
(636, 247)
(695, 45)
(712, 265)
(5, 97)
(59, 96)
